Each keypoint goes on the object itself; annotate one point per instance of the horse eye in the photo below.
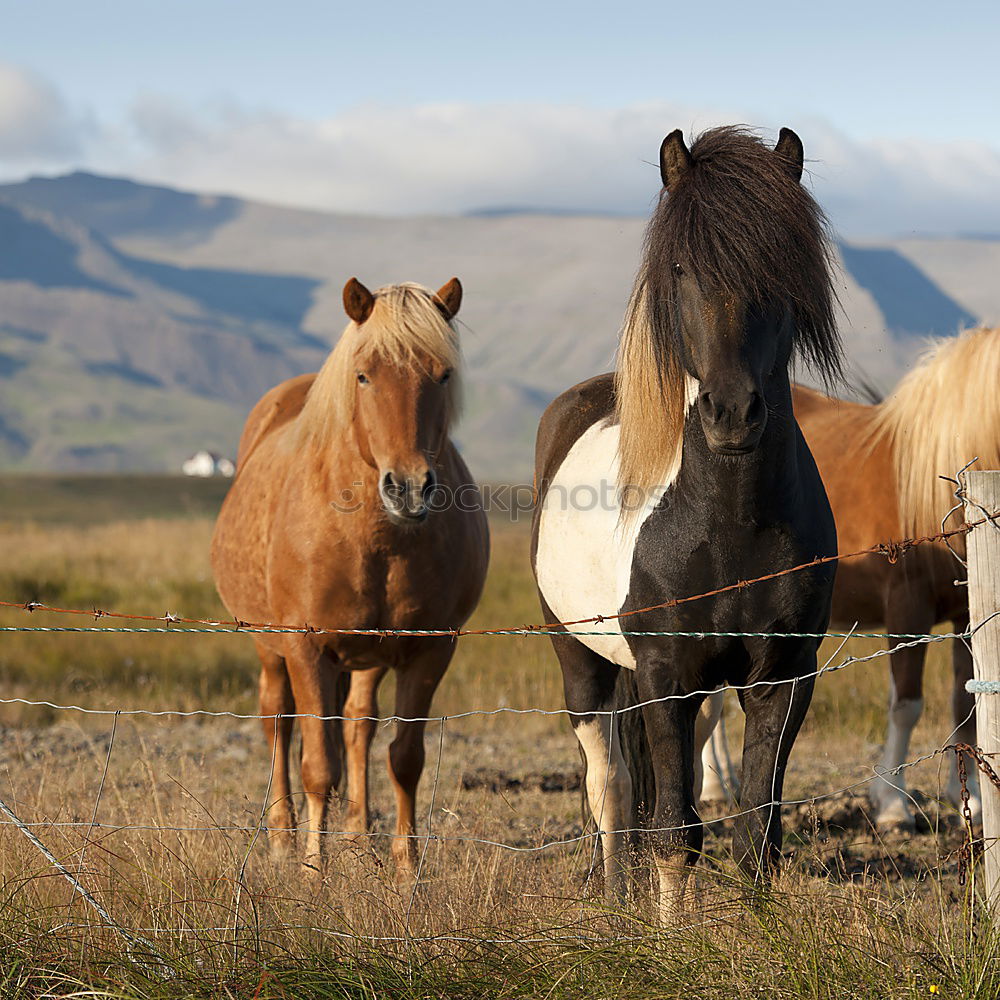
(444, 378)
(362, 378)
(678, 269)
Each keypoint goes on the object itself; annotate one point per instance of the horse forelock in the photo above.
(407, 329)
(742, 226)
(942, 415)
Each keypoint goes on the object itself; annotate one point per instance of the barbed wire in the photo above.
(827, 668)
(547, 845)
(892, 550)
(526, 631)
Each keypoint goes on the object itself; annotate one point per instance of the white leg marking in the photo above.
(673, 877)
(609, 792)
(709, 780)
(889, 790)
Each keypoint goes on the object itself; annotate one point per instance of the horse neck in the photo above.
(335, 458)
(738, 484)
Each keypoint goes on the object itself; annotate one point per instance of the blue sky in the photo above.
(901, 97)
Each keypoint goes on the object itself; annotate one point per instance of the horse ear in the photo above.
(675, 160)
(358, 301)
(449, 298)
(789, 148)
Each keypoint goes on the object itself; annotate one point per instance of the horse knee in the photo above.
(406, 761)
(357, 738)
(707, 718)
(320, 773)
(677, 840)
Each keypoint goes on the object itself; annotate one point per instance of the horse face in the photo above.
(401, 421)
(731, 348)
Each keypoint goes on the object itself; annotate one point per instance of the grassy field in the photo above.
(161, 813)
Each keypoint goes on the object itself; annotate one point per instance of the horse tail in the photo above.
(635, 746)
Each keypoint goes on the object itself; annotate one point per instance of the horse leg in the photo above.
(963, 708)
(714, 780)
(589, 685)
(276, 699)
(362, 707)
(313, 674)
(415, 687)
(774, 714)
(905, 612)
(676, 833)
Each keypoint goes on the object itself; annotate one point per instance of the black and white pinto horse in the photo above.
(685, 472)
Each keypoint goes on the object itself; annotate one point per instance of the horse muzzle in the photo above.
(732, 425)
(406, 497)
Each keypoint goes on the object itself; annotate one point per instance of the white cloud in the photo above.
(461, 157)
(458, 157)
(36, 125)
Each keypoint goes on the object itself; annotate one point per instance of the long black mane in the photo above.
(742, 225)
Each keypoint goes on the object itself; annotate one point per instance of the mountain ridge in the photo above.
(139, 323)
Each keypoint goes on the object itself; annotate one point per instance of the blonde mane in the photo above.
(651, 403)
(405, 328)
(942, 414)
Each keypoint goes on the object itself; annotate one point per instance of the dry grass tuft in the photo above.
(854, 915)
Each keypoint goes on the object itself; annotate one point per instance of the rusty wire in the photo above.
(892, 550)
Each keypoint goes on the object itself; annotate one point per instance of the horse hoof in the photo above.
(975, 803)
(894, 817)
(406, 875)
(281, 846)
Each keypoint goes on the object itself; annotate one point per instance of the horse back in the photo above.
(857, 466)
(565, 419)
(277, 407)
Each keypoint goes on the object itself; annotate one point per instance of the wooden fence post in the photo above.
(983, 488)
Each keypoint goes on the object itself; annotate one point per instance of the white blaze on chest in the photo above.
(585, 549)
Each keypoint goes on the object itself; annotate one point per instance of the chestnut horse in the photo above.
(338, 518)
(882, 467)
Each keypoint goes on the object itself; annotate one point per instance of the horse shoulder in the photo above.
(581, 552)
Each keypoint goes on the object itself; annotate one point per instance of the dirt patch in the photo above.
(531, 781)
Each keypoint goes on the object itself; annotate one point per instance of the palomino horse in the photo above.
(686, 472)
(332, 522)
(882, 466)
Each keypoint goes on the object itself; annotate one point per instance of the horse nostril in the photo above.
(393, 488)
(709, 408)
(754, 412)
(430, 482)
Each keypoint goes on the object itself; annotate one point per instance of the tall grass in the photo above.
(853, 915)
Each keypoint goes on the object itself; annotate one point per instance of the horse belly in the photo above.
(583, 562)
